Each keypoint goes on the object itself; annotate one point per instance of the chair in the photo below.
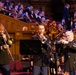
(12, 65)
(17, 68)
(18, 65)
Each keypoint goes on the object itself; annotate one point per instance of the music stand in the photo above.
(30, 47)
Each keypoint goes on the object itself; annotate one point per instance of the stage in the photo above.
(19, 73)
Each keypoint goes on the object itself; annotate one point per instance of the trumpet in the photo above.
(43, 38)
(63, 41)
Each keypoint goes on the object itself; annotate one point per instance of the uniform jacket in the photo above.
(3, 52)
(69, 51)
(41, 59)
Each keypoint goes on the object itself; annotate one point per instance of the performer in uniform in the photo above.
(41, 61)
(4, 61)
(68, 45)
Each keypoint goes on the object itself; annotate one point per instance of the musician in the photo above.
(41, 60)
(4, 61)
(68, 44)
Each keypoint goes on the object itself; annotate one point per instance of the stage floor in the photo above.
(19, 73)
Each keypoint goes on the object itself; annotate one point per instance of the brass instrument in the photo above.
(10, 42)
(9, 39)
(42, 38)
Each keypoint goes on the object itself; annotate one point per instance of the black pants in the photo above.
(40, 70)
(5, 69)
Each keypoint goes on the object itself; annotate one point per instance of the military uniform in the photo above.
(4, 61)
(41, 61)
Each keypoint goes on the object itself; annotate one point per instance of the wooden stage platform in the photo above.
(20, 73)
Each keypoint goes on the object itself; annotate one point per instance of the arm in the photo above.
(72, 46)
(5, 42)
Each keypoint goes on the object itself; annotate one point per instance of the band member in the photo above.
(41, 63)
(68, 45)
(4, 43)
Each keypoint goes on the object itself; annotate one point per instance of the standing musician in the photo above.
(41, 63)
(68, 44)
(4, 61)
